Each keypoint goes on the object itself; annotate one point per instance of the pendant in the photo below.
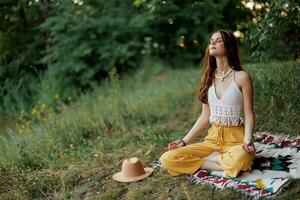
(224, 74)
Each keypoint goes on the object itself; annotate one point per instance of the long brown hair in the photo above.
(209, 64)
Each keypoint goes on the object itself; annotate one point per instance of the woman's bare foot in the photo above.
(212, 157)
(212, 162)
(209, 165)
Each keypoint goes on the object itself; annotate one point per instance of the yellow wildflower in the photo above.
(33, 111)
(42, 108)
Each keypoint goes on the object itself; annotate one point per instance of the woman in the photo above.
(225, 91)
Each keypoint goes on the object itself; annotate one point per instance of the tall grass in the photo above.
(137, 114)
(277, 102)
(118, 105)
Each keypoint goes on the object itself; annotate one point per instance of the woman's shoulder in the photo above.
(242, 74)
(242, 77)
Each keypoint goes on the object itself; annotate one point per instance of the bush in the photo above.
(275, 33)
(65, 48)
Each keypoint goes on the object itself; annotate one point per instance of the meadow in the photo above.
(71, 151)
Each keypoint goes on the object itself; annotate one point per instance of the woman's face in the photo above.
(216, 45)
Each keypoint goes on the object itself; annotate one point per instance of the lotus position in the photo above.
(226, 90)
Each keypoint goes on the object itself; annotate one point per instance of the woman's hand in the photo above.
(249, 147)
(175, 144)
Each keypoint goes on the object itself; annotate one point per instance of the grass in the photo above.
(74, 154)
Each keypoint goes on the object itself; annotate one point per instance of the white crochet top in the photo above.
(226, 110)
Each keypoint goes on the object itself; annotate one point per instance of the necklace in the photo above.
(224, 74)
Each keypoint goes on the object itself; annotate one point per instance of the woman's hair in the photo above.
(209, 64)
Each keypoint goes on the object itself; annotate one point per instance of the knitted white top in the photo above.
(227, 110)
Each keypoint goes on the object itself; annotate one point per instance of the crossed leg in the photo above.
(205, 155)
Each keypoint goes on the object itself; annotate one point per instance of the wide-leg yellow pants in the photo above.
(226, 140)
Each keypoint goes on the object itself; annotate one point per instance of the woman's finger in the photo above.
(244, 147)
(172, 145)
(247, 149)
(251, 149)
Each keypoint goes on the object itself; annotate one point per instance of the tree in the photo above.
(273, 32)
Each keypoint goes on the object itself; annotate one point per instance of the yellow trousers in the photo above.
(226, 140)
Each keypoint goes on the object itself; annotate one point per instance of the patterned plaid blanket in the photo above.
(277, 161)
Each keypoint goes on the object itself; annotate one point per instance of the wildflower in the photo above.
(42, 108)
(33, 111)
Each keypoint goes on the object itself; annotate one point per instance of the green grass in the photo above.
(74, 155)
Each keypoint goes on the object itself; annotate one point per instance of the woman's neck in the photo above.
(222, 64)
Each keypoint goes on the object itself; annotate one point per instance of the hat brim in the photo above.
(119, 176)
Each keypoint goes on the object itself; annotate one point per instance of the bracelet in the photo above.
(184, 144)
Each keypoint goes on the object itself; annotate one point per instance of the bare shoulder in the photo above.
(243, 78)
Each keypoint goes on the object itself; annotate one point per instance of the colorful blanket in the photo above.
(277, 161)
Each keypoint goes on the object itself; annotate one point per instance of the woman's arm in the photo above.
(247, 91)
(201, 123)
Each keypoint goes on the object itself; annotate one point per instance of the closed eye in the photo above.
(217, 41)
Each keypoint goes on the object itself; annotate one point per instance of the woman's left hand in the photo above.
(249, 147)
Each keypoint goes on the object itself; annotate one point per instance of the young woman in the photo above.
(225, 91)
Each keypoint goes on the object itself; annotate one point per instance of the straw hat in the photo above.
(132, 170)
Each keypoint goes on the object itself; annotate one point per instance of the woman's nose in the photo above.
(213, 43)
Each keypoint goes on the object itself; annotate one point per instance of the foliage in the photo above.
(69, 47)
(20, 46)
(274, 33)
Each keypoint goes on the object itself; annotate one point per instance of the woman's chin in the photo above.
(212, 52)
(215, 54)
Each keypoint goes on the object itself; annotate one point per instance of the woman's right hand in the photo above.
(174, 145)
